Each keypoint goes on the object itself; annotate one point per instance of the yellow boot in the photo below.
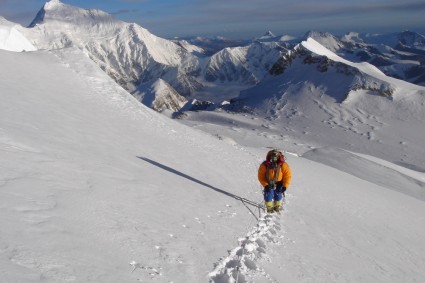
(269, 206)
(277, 205)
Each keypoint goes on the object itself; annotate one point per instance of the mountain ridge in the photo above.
(133, 57)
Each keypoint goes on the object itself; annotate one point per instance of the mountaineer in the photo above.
(274, 175)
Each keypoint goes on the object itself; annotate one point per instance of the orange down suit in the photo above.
(284, 174)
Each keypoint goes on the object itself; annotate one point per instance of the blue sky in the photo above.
(246, 18)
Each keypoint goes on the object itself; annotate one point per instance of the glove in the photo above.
(283, 189)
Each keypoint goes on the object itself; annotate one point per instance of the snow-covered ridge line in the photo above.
(364, 67)
(134, 57)
(12, 39)
(64, 14)
(127, 52)
(319, 49)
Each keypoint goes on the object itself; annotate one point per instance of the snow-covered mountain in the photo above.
(134, 57)
(194, 49)
(96, 187)
(360, 75)
(160, 96)
(406, 38)
(248, 64)
(312, 91)
(399, 55)
(328, 40)
(268, 36)
(160, 72)
(127, 52)
(271, 38)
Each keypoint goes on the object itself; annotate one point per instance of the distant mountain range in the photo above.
(166, 74)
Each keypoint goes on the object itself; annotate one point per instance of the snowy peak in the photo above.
(128, 53)
(228, 65)
(318, 34)
(319, 49)
(267, 35)
(56, 11)
(52, 4)
(248, 64)
(191, 48)
(326, 39)
(273, 40)
(132, 56)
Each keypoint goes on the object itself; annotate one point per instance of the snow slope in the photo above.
(11, 38)
(92, 180)
(95, 187)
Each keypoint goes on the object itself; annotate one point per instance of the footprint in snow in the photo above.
(153, 272)
(243, 264)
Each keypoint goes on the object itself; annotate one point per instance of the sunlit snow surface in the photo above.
(11, 38)
(95, 187)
